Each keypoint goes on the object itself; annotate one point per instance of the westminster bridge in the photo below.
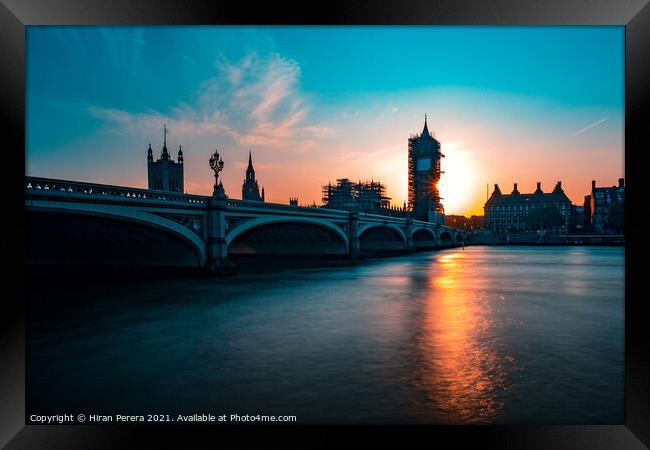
(74, 222)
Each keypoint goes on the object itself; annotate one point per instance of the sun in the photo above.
(459, 184)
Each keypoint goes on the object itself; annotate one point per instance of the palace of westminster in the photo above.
(504, 213)
(165, 174)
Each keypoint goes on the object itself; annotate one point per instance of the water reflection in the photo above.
(480, 335)
(462, 372)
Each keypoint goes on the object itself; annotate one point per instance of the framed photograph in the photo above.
(408, 214)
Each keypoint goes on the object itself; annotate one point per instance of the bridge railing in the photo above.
(423, 224)
(251, 204)
(382, 218)
(49, 185)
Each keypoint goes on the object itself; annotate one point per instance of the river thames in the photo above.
(460, 336)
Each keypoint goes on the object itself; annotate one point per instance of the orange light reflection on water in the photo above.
(462, 374)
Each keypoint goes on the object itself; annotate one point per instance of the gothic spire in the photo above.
(165, 153)
(425, 131)
(250, 189)
(250, 171)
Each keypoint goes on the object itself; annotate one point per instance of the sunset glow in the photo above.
(508, 104)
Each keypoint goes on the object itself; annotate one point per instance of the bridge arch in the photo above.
(460, 240)
(127, 232)
(424, 238)
(381, 237)
(282, 235)
(445, 239)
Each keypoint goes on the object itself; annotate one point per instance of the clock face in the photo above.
(423, 164)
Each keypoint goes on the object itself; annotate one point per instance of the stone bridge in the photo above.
(83, 223)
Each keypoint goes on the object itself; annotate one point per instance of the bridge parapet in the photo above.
(251, 205)
(383, 219)
(420, 223)
(36, 185)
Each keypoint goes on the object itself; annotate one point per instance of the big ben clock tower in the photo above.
(424, 175)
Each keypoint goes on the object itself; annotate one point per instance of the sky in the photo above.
(508, 104)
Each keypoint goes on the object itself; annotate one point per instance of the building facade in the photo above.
(165, 174)
(250, 190)
(509, 212)
(577, 222)
(598, 205)
(424, 174)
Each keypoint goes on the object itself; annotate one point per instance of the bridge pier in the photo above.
(217, 247)
(410, 246)
(354, 250)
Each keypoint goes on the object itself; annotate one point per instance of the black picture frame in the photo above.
(15, 15)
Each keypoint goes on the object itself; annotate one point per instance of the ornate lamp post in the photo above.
(216, 164)
(216, 244)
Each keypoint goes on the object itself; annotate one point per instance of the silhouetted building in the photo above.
(293, 201)
(424, 175)
(250, 189)
(509, 212)
(369, 196)
(586, 212)
(472, 223)
(600, 203)
(455, 221)
(165, 174)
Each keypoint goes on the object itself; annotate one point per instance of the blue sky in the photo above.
(318, 103)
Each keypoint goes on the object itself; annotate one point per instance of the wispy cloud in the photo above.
(257, 101)
(590, 126)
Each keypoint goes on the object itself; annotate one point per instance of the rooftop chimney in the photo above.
(593, 184)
